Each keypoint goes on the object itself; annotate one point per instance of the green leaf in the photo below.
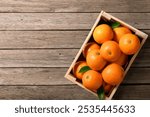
(115, 25)
(84, 69)
(101, 93)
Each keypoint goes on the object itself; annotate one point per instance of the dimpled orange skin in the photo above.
(110, 51)
(119, 32)
(77, 68)
(113, 74)
(122, 59)
(129, 44)
(94, 60)
(103, 33)
(92, 80)
(90, 46)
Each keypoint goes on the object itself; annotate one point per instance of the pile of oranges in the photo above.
(105, 57)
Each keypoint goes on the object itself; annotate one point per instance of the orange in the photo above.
(110, 51)
(107, 87)
(77, 68)
(94, 60)
(119, 32)
(129, 44)
(122, 59)
(92, 80)
(90, 46)
(113, 74)
(103, 33)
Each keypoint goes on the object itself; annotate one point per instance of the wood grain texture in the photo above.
(55, 76)
(33, 76)
(54, 58)
(137, 76)
(69, 92)
(42, 39)
(64, 21)
(147, 43)
(133, 92)
(46, 39)
(45, 92)
(37, 58)
(37, 45)
(143, 58)
(74, 6)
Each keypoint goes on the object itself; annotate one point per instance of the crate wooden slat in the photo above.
(108, 17)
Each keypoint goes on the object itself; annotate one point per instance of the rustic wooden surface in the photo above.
(39, 40)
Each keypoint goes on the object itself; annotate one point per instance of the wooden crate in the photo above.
(105, 17)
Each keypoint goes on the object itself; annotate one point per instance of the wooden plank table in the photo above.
(39, 40)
